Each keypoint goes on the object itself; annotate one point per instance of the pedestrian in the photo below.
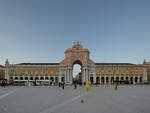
(75, 85)
(116, 86)
(63, 85)
(3, 83)
(87, 85)
(59, 84)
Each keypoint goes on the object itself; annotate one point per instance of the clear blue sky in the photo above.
(41, 30)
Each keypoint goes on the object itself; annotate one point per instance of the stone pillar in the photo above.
(87, 75)
(83, 76)
(59, 79)
(65, 76)
(94, 79)
(144, 74)
(133, 79)
(68, 75)
(138, 80)
(104, 79)
(71, 76)
(100, 80)
(114, 78)
(54, 79)
(109, 79)
(60, 75)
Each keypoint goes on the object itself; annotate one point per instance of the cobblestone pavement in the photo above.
(52, 99)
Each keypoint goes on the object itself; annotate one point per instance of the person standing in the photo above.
(59, 84)
(87, 85)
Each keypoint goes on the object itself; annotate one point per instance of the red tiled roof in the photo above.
(114, 64)
(38, 64)
(2, 66)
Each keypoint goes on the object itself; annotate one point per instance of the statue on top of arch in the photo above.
(77, 45)
(77, 52)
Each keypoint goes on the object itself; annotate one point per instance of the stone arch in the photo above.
(141, 79)
(77, 55)
(46, 78)
(36, 78)
(136, 79)
(127, 78)
(52, 79)
(56, 80)
(21, 78)
(26, 78)
(77, 62)
(91, 80)
(16, 78)
(31, 78)
(62, 79)
(122, 78)
(107, 80)
(97, 80)
(11, 78)
(41, 78)
(131, 80)
(112, 80)
(102, 80)
(117, 78)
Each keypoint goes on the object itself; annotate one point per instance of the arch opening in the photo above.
(77, 72)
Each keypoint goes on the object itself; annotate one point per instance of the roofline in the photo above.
(2, 66)
(38, 64)
(114, 64)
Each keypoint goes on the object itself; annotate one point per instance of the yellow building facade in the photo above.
(100, 73)
(2, 72)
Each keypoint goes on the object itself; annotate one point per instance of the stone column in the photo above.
(104, 79)
(145, 74)
(87, 75)
(109, 80)
(71, 75)
(138, 80)
(100, 80)
(54, 79)
(59, 78)
(133, 79)
(65, 76)
(94, 79)
(83, 75)
(60, 75)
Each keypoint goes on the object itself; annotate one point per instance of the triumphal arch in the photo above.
(77, 55)
(99, 73)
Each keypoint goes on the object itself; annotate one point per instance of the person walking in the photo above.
(116, 86)
(63, 85)
(75, 85)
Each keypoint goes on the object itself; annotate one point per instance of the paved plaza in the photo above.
(52, 99)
